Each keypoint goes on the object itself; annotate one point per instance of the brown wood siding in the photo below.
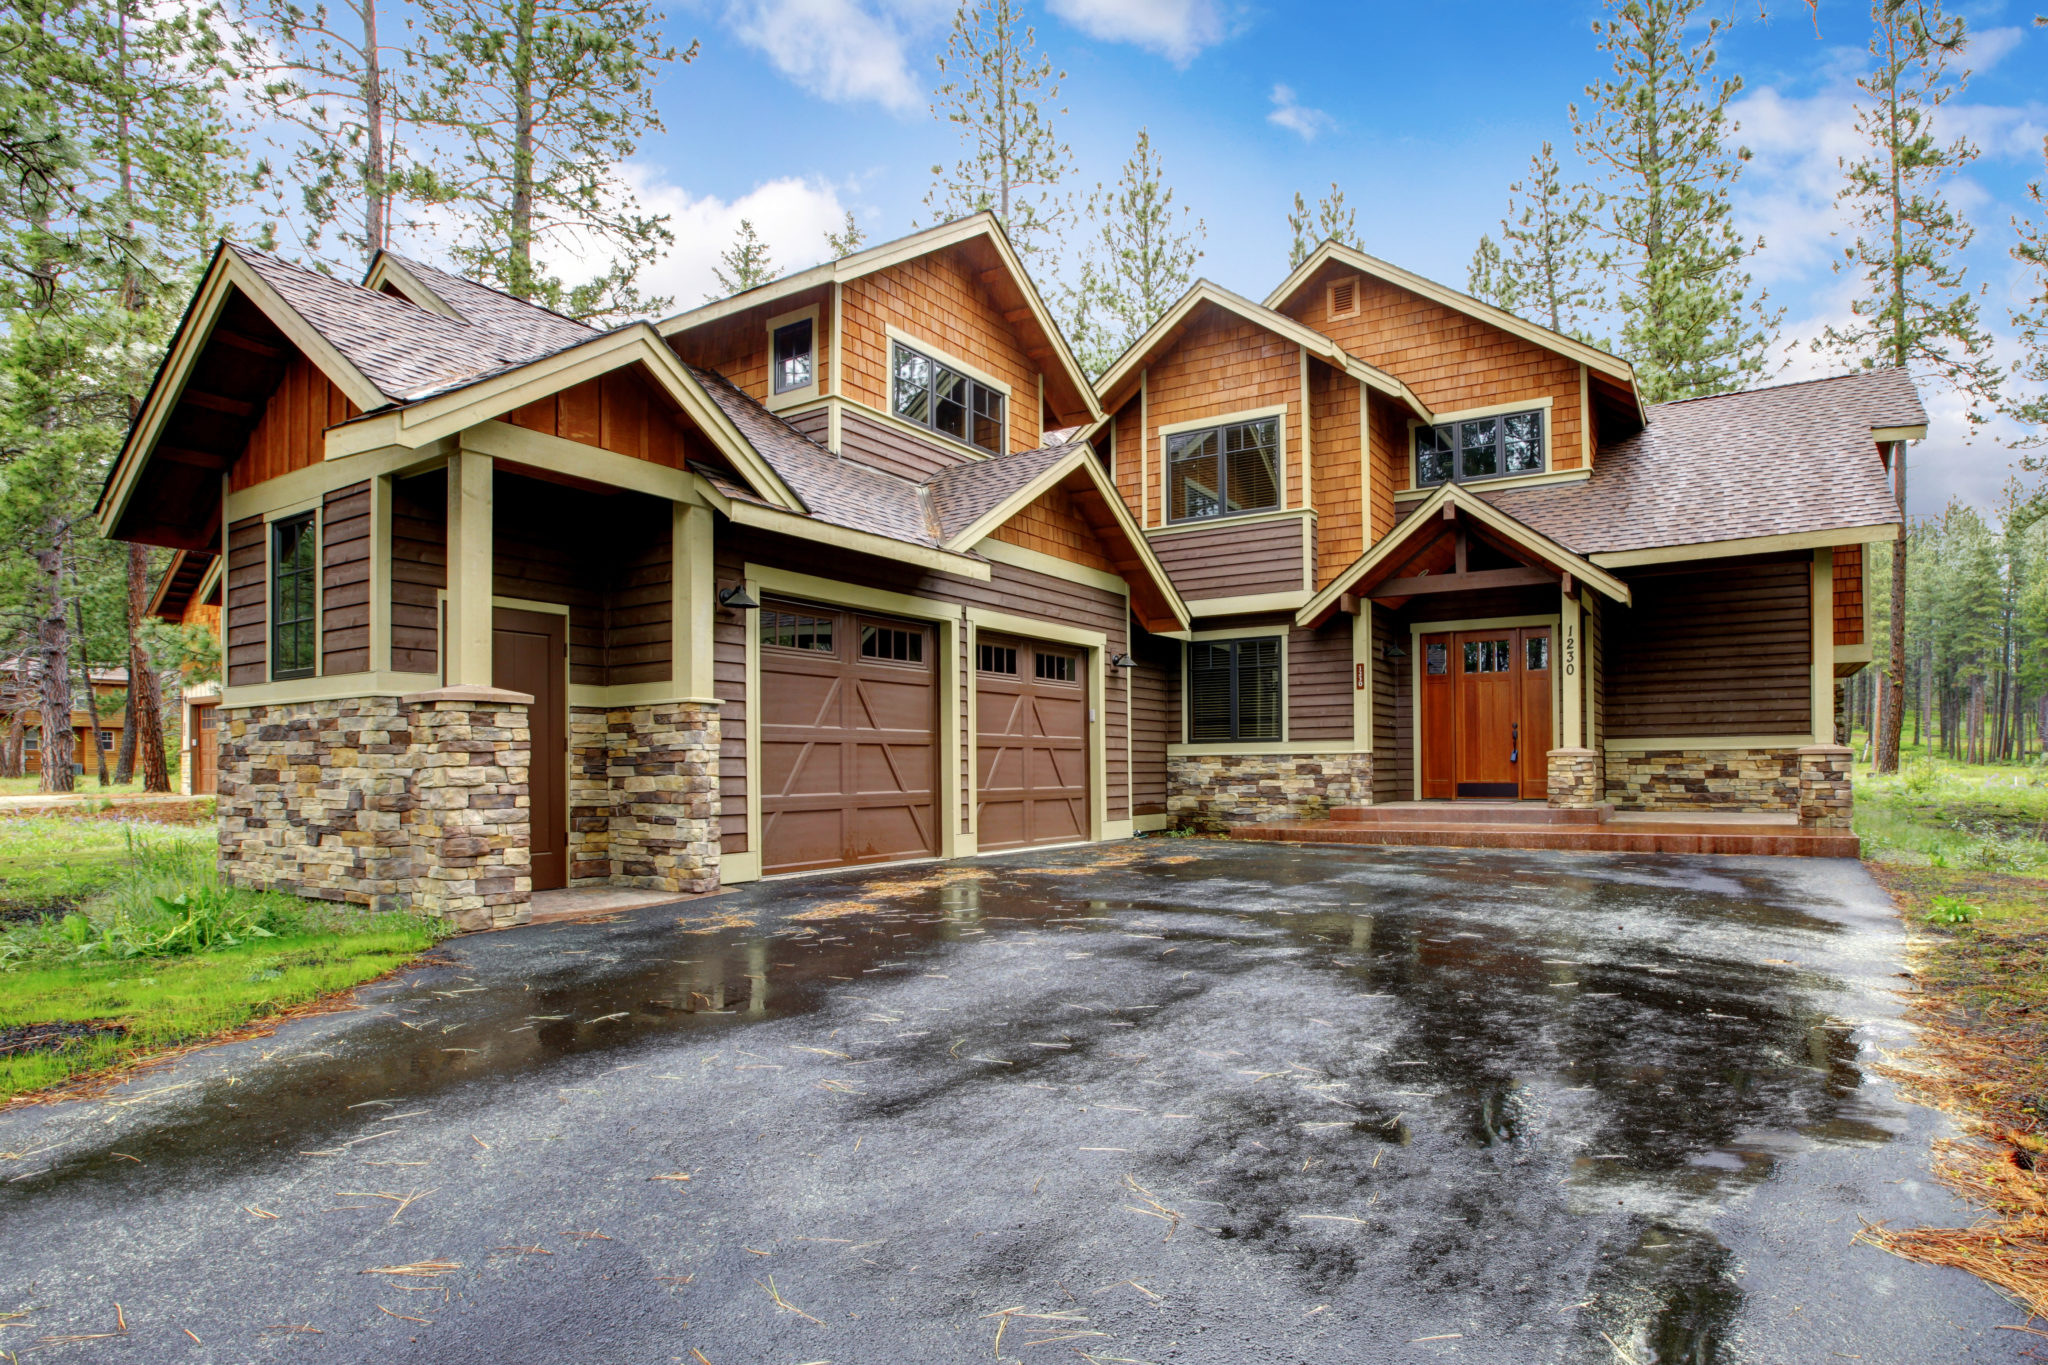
(639, 599)
(1393, 756)
(1052, 526)
(940, 299)
(419, 569)
(892, 449)
(1388, 427)
(1020, 592)
(1233, 560)
(737, 347)
(1594, 624)
(1129, 445)
(1220, 364)
(1453, 362)
(816, 424)
(1319, 682)
(617, 589)
(1723, 651)
(622, 412)
(1336, 470)
(248, 615)
(345, 580)
(1848, 594)
(1155, 718)
(1479, 606)
(291, 433)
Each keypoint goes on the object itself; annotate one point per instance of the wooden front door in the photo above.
(1031, 742)
(849, 738)
(203, 744)
(530, 653)
(1485, 714)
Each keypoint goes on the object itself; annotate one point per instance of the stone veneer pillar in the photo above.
(663, 773)
(1577, 779)
(472, 756)
(1826, 800)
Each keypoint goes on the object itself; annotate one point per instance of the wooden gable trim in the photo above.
(227, 274)
(387, 270)
(1325, 603)
(1164, 333)
(1536, 334)
(1137, 557)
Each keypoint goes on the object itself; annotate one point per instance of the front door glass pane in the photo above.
(1538, 653)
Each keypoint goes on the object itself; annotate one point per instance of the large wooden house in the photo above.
(858, 566)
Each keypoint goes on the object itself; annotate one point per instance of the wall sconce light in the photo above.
(736, 597)
(1393, 650)
(1122, 661)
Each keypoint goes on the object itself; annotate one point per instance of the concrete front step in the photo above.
(1437, 813)
(1677, 837)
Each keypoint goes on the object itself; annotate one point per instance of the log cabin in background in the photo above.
(107, 683)
(858, 566)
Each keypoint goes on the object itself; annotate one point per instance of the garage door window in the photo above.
(794, 630)
(883, 642)
(998, 659)
(1055, 667)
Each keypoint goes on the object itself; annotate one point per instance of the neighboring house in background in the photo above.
(1436, 551)
(857, 566)
(188, 594)
(106, 682)
(790, 581)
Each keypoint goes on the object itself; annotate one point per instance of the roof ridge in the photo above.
(1858, 372)
(413, 264)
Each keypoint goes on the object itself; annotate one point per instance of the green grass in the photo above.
(138, 932)
(1937, 813)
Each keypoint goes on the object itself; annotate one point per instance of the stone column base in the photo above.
(1826, 800)
(664, 797)
(1577, 779)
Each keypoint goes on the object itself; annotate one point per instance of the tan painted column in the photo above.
(694, 605)
(380, 574)
(1822, 691)
(1571, 673)
(467, 649)
(1362, 672)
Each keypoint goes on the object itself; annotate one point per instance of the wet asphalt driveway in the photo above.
(1177, 1101)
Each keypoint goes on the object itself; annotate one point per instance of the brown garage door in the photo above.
(1031, 739)
(849, 738)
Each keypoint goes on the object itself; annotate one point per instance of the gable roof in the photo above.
(1111, 387)
(1334, 251)
(977, 230)
(536, 329)
(1788, 460)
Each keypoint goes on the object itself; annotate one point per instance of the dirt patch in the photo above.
(16, 1039)
(27, 912)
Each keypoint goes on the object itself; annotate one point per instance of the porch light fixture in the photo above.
(1393, 650)
(737, 598)
(1122, 661)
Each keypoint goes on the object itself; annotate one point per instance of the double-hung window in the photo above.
(942, 399)
(294, 579)
(795, 355)
(1479, 448)
(1223, 471)
(1234, 689)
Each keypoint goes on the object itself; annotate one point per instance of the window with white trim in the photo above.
(943, 400)
(1234, 689)
(1479, 448)
(1223, 471)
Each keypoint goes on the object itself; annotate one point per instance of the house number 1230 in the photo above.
(1571, 651)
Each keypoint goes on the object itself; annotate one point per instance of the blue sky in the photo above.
(797, 109)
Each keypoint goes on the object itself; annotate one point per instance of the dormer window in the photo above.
(941, 399)
(1224, 471)
(1479, 448)
(795, 355)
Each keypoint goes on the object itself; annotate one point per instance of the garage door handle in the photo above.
(1514, 741)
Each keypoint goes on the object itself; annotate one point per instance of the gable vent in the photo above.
(1344, 297)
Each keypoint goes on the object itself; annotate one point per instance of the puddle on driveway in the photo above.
(1444, 1079)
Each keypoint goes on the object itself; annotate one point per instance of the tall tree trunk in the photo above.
(53, 642)
(1895, 710)
(124, 748)
(17, 732)
(520, 266)
(377, 193)
(144, 696)
(92, 708)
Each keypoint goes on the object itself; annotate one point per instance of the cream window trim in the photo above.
(949, 621)
(789, 398)
(1418, 629)
(1225, 419)
(1179, 528)
(933, 351)
(1095, 644)
(1279, 632)
(1560, 476)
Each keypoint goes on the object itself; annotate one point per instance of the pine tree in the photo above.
(847, 240)
(998, 91)
(1140, 258)
(1915, 308)
(2029, 406)
(548, 98)
(742, 265)
(1659, 127)
(1543, 267)
(1330, 222)
(357, 98)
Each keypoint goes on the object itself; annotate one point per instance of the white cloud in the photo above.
(1176, 29)
(791, 215)
(840, 50)
(1290, 114)
(1986, 48)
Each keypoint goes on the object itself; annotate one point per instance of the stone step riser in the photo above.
(1436, 816)
(1780, 844)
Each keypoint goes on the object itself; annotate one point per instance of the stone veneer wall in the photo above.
(1259, 787)
(1573, 779)
(1704, 779)
(643, 797)
(382, 801)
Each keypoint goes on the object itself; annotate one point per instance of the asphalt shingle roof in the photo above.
(962, 494)
(1764, 462)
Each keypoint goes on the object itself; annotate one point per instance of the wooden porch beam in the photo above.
(1476, 581)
